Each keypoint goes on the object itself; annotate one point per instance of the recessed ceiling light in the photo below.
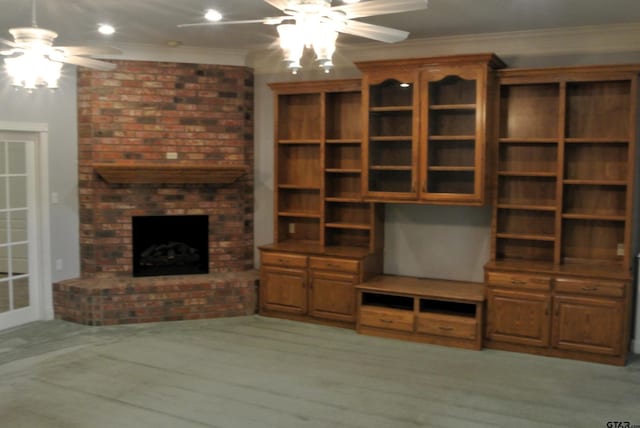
(213, 15)
(106, 29)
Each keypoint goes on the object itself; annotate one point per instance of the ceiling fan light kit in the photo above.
(316, 23)
(33, 62)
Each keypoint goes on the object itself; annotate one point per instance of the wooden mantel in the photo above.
(168, 173)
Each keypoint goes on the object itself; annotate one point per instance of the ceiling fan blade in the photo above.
(8, 43)
(374, 32)
(89, 63)
(278, 4)
(269, 21)
(380, 7)
(89, 50)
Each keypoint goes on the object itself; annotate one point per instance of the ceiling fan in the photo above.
(340, 16)
(33, 61)
(317, 22)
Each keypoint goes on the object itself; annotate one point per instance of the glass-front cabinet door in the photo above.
(390, 150)
(452, 136)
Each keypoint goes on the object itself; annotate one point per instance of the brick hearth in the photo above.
(109, 300)
(138, 113)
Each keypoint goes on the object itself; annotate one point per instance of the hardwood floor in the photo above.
(264, 372)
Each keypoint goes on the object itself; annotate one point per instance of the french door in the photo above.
(20, 255)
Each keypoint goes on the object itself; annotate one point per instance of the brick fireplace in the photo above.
(131, 120)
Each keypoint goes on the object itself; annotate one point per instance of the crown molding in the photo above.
(184, 54)
(585, 40)
(596, 39)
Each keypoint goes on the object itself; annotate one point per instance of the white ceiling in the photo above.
(153, 22)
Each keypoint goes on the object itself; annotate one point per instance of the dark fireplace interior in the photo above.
(170, 245)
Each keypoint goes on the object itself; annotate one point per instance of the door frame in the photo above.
(43, 301)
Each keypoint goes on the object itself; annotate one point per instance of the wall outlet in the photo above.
(620, 250)
(292, 228)
(59, 265)
(172, 155)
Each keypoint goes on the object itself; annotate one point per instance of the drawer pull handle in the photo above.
(386, 321)
(331, 265)
(518, 282)
(446, 328)
(589, 288)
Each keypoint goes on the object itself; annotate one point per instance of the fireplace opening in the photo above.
(170, 245)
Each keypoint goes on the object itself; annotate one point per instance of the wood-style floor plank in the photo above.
(265, 372)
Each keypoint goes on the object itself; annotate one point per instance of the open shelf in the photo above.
(595, 199)
(608, 101)
(529, 111)
(387, 301)
(344, 186)
(596, 161)
(518, 190)
(343, 156)
(526, 222)
(299, 165)
(343, 116)
(297, 117)
(298, 228)
(592, 241)
(508, 248)
(445, 307)
(533, 157)
(299, 201)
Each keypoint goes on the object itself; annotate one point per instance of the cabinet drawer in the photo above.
(519, 281)
(444, 325)
(342, 265)
(594, 288)
(392, 319)
(283, 259)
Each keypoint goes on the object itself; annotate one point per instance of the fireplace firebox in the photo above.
(170, 245)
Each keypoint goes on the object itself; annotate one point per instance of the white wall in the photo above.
(58, 110)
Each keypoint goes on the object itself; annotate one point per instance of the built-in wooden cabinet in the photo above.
(314, 283)
(318, 167)
(320, 215)
(565, 166)
(425, 129)
(563, 203)
(558, 312)
(423, 310)
(555, 146)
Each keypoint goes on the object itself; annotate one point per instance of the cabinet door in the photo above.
(390, 151)
(452, 137)
(518, 317)
(588, 324)
(332, 296)
(283, 289)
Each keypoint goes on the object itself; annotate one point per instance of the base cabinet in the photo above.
(580, 318)
(283, 289)
(312, 287)
(332, 295)
(588, 324)
(518, 317)
(422, 310)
